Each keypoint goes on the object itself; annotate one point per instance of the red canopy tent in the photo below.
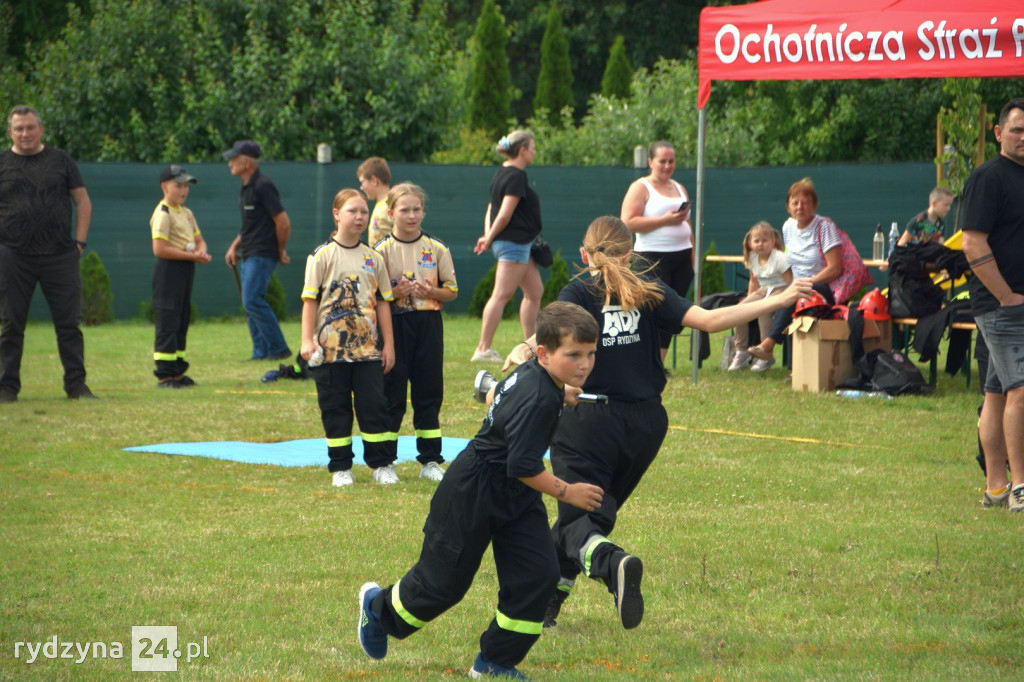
(839, 39)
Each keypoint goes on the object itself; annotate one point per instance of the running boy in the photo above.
(178, 246)
(343, 326)
(491, 494)
(375, 181)
(422, 278)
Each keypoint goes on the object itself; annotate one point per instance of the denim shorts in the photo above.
(1003, 329)
(510, 252)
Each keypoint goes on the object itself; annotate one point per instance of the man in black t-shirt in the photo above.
(38, 185)
(258, 248)
(993, 240)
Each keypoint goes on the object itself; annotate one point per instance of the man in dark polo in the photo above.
(258, 248)
(38, 185)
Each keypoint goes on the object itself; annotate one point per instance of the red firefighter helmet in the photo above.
(815, 306)
(839, 312)
(875, 306)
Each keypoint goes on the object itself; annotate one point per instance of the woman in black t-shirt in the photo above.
(511, 224)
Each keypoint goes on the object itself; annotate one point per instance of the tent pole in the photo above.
(698, 228)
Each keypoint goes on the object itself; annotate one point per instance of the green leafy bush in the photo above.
(482, 293)
(277, 299)
(490, 84)
(557, 279)
(712, 275)
(97, 298)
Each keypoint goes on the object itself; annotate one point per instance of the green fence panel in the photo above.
(124, 195)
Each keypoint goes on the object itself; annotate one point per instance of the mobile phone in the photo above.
(592, 398)
(683, 206)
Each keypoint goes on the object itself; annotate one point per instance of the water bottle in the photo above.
(894, 236)
(848, 393)
(878, 245)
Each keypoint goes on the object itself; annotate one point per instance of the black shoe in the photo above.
(628, 599)
(8, 396)
(170, 383)
(554, 608)
(186, 381)
(279, 356)
(80, 392)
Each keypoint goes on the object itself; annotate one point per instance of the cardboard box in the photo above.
(821, 350)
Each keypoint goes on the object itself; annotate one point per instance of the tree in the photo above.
(960, 124)
(491, 83)
(554, 85)
(154, 81)
(618, 73)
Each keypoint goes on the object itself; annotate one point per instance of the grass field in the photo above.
(784, 535)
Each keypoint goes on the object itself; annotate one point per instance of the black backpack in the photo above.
(895, 374)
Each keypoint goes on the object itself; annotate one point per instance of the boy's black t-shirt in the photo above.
(628, 365)
(521, 421)
(525, 223)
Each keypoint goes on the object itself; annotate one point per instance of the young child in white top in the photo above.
(770, 273)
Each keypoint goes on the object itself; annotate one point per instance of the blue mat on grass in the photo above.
(293, 453)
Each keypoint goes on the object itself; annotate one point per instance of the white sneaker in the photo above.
(432, 471)
(489, 355)
(739, 361)
(762, 365)
(385, 475)
(343, 478)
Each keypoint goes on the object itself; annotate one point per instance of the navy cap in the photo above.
(243, 147)
(176, 173)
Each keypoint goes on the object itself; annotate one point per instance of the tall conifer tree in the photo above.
(618, 73)
(489, 107)
(554, 85)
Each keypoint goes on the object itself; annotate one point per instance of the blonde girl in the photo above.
(612, 444)
(765, 257)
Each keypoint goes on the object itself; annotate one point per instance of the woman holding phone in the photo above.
(657, 210)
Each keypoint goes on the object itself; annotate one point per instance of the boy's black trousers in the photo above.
(477, 504)
(172, 310)
(419, 362)
(609, 445)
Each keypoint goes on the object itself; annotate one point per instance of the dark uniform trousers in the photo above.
(60, 278)
(476, 504)
(419, 361)
(172, 311)
(609, 445)
(336, 382)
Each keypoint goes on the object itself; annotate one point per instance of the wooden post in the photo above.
(939, 165)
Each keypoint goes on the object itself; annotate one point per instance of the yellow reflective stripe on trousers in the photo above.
(166, 357)
(396, 601)
(338, 442)
(588, 551)
(523, 627)
(379, 437)
(428, 433)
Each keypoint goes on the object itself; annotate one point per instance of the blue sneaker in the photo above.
(483, 668)
(372, 637)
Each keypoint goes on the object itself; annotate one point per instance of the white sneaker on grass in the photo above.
(762, 365)
(489, 355)
(432, 471)
(343, 478)
(1017, 498)
(739, 361)
(385, 475)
